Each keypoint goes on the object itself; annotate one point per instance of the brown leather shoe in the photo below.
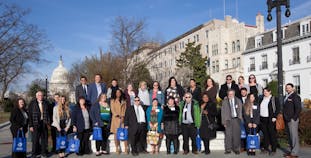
(195, 152)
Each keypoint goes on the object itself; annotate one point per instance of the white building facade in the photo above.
(260, 57)
(222, 42)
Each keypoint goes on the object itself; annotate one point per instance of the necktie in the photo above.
(84, 88)
(232, 108)
(185, 115)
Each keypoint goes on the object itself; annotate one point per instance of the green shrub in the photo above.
(305, 127)
(8, 105)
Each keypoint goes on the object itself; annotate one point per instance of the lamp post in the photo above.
(277, 4)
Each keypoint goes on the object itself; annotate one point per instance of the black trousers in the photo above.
(189, 132)
(102, 144)
(138, 139)
(40, 139)
(269, 133)
(84, 142)
(206, 145)
(53, 134)
(169, 139)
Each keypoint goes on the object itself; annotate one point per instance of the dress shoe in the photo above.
(186, 152)
(175, 152)
(135, 154)
(237, 152)
(195, 152)
(227, 152)
(145, 152)
(272, 153)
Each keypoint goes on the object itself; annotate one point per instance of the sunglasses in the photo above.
(228, 79)
(137, 100)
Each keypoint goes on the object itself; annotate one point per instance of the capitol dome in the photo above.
(59, 82)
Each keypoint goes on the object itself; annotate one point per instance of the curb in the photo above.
(2, 125)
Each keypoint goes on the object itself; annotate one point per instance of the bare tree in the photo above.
(20, 44)
(127, 35)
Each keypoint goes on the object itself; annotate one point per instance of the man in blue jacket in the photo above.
(95, 89)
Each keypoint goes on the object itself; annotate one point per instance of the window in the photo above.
(188, 40)
(234, 63)
(206, 33)
(296, 80)
(175, 48)
(226, 48)
(238, 47)
(264, 64)
(258, 41)
(296, 58)
(206, 47)
(213, 66)
(198, 38)
(194, 39)
(238, 62)
(252, 66)
(217, 66)
(309, 56)
(304, 28)
(183, 44)
(226, 64)
(274, 34)
(233, 47)
(215, 49)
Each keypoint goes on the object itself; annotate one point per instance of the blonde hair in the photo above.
(142, 83)
(63, 108)
(100, 96)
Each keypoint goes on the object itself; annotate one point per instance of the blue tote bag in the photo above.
(253, 140)
(243, 131)
(73, 145)
(97, 133)
(198, 140)
(122, 133)
(61, 141)
(19, 142)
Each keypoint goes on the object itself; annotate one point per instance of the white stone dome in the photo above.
(59, 82)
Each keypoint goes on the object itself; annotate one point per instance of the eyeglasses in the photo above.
(137, 100)
(229, 79)
(252, 78)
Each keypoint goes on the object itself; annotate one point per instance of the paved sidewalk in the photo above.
(6, 148)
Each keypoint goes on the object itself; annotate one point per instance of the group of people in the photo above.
(175, 111)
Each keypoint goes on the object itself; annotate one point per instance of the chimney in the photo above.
(260, 23)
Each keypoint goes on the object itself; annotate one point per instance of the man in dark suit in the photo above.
(38, 124)
(95, 89)
(82, 88)
(229, 85)
(135, 121)
(291, 111)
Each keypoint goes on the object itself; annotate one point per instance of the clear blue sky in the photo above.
(77, 28)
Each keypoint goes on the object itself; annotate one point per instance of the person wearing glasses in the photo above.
(135, 120)
(156, 93)
(190, 120)
(253, 87)
(231, 117)
(229, 85)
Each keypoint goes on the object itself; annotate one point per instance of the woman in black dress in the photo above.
(19, 121)
(171, 124)
(254, 88)
(208, 126)
(211, 89)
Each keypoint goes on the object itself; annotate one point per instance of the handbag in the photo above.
(73, 145)
(279, 124)
(97, 133)
(198, 140)
(19, 142)
(243, 131)
(122, 133)
(61, 141)
(153, 137)
(253, 140)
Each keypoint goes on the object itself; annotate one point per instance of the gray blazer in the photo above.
(226, 110)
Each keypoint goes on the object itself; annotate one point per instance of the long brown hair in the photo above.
(63, 108)
(248, 105)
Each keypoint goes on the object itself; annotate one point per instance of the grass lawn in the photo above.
(4, 116)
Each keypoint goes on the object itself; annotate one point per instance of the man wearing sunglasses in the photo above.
(230, 84)
(190, 120)
(135, 121)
